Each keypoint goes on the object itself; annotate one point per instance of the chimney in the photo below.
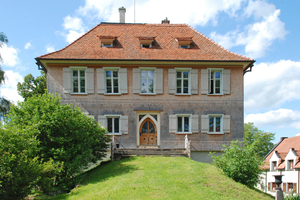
(122, 14)
(165, 21)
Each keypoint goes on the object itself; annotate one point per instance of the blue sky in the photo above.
(267, 31)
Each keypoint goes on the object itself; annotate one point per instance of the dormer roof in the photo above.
(87, 47)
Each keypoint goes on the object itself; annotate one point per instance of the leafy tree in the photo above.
(4, 103)
(32, 86)
(64, 135)
(260, 139)
(240, 163)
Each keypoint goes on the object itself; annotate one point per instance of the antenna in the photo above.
(133, 11)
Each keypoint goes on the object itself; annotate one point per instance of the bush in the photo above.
(239, 163)
(57, 142)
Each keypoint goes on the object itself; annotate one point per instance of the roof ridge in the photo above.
(70, 43)
(217, 43)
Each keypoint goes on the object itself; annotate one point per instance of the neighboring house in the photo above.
(152, 84)
(282, 160)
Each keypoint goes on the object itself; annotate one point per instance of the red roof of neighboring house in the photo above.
(283, 148)
(127, 44)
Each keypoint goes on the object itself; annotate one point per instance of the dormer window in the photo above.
(107, 41)
(146, 42)
(290, 164)
(274, 165)
(184, 42)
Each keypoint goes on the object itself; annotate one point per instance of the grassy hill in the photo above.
(159, 178)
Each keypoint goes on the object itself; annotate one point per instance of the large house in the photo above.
(153, 84)
(284, 160)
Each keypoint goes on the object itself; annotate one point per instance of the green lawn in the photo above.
(159, 178)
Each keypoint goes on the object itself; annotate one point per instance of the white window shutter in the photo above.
(136, 80)
(90, 80)
(100, 81)
(195, 123)
(172, 81)
(172, 123)
(194, 81)
(124, 124)
(102, 120)
(123, 80)
(204, 81)
(204, 123)
(226, 123)
(67, 80)
(226, 81)
(159, 81)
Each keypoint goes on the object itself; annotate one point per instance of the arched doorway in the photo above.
(148, 132)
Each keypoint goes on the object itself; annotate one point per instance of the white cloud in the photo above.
(9, 56)
(49, 48)
(27, 45)
(75, 28)
(201, 13)
(269, 85)
(259, 36)
(278, 118)
(9, 89)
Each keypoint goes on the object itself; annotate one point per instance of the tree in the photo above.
(4, 103)
(240, 163)
(32, 86)
(64, 135)
(260, 139)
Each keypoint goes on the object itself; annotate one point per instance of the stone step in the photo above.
(148, 152)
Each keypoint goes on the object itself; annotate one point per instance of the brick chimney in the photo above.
(122, 11)
(165, 21)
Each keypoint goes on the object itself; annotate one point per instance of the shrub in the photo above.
(239, 163)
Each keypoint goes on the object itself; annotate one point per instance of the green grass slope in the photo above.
(159, 178)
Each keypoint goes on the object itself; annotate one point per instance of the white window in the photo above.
(146, 46)
(274, 165)
(215, 124)
(113, 124)
(215, 81)
(290, 164)
(107, 44)
(147, 77)
(183, 123)
(182, 81)
(78, 80)
(184, 46)
(112, 81)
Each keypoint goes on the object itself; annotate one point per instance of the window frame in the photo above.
(78, 69)
(190, 123)
(184, 46)
(108, 45)
(290, 164)
(145, 46)
(182, 78)
(210, 70)
(154, 79)
(214, 128)
(112, 86)
(113, 122)
(274, 165)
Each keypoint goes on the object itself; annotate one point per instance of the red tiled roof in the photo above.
(127, 44)
(283, 148)
(281, 165)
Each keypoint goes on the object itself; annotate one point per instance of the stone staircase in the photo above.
(125, 153)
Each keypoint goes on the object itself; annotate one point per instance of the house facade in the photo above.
(153, 84)
(282, 160)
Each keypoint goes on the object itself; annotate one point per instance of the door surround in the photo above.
(139, 122)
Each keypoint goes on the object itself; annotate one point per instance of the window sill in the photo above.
(215, 133)
(183, 133)
(111, 134)
(184, 94)
(151, 94)
(79, 93)
(113, 94)
(215, 94)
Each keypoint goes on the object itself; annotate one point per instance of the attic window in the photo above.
(184, 42)
(146, 42)
(107, 41)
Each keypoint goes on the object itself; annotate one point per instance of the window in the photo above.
(106, 44)
(113, 124)
(185, 46)
(214, 77)
(274, 164)
(182, 81)
(146, 46)
(112, 81)
(215, 124)
(78, 81)
(290, 164)
(183, 124)
(147, 81)
(290, 187)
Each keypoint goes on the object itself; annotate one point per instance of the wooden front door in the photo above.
(148, 133)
